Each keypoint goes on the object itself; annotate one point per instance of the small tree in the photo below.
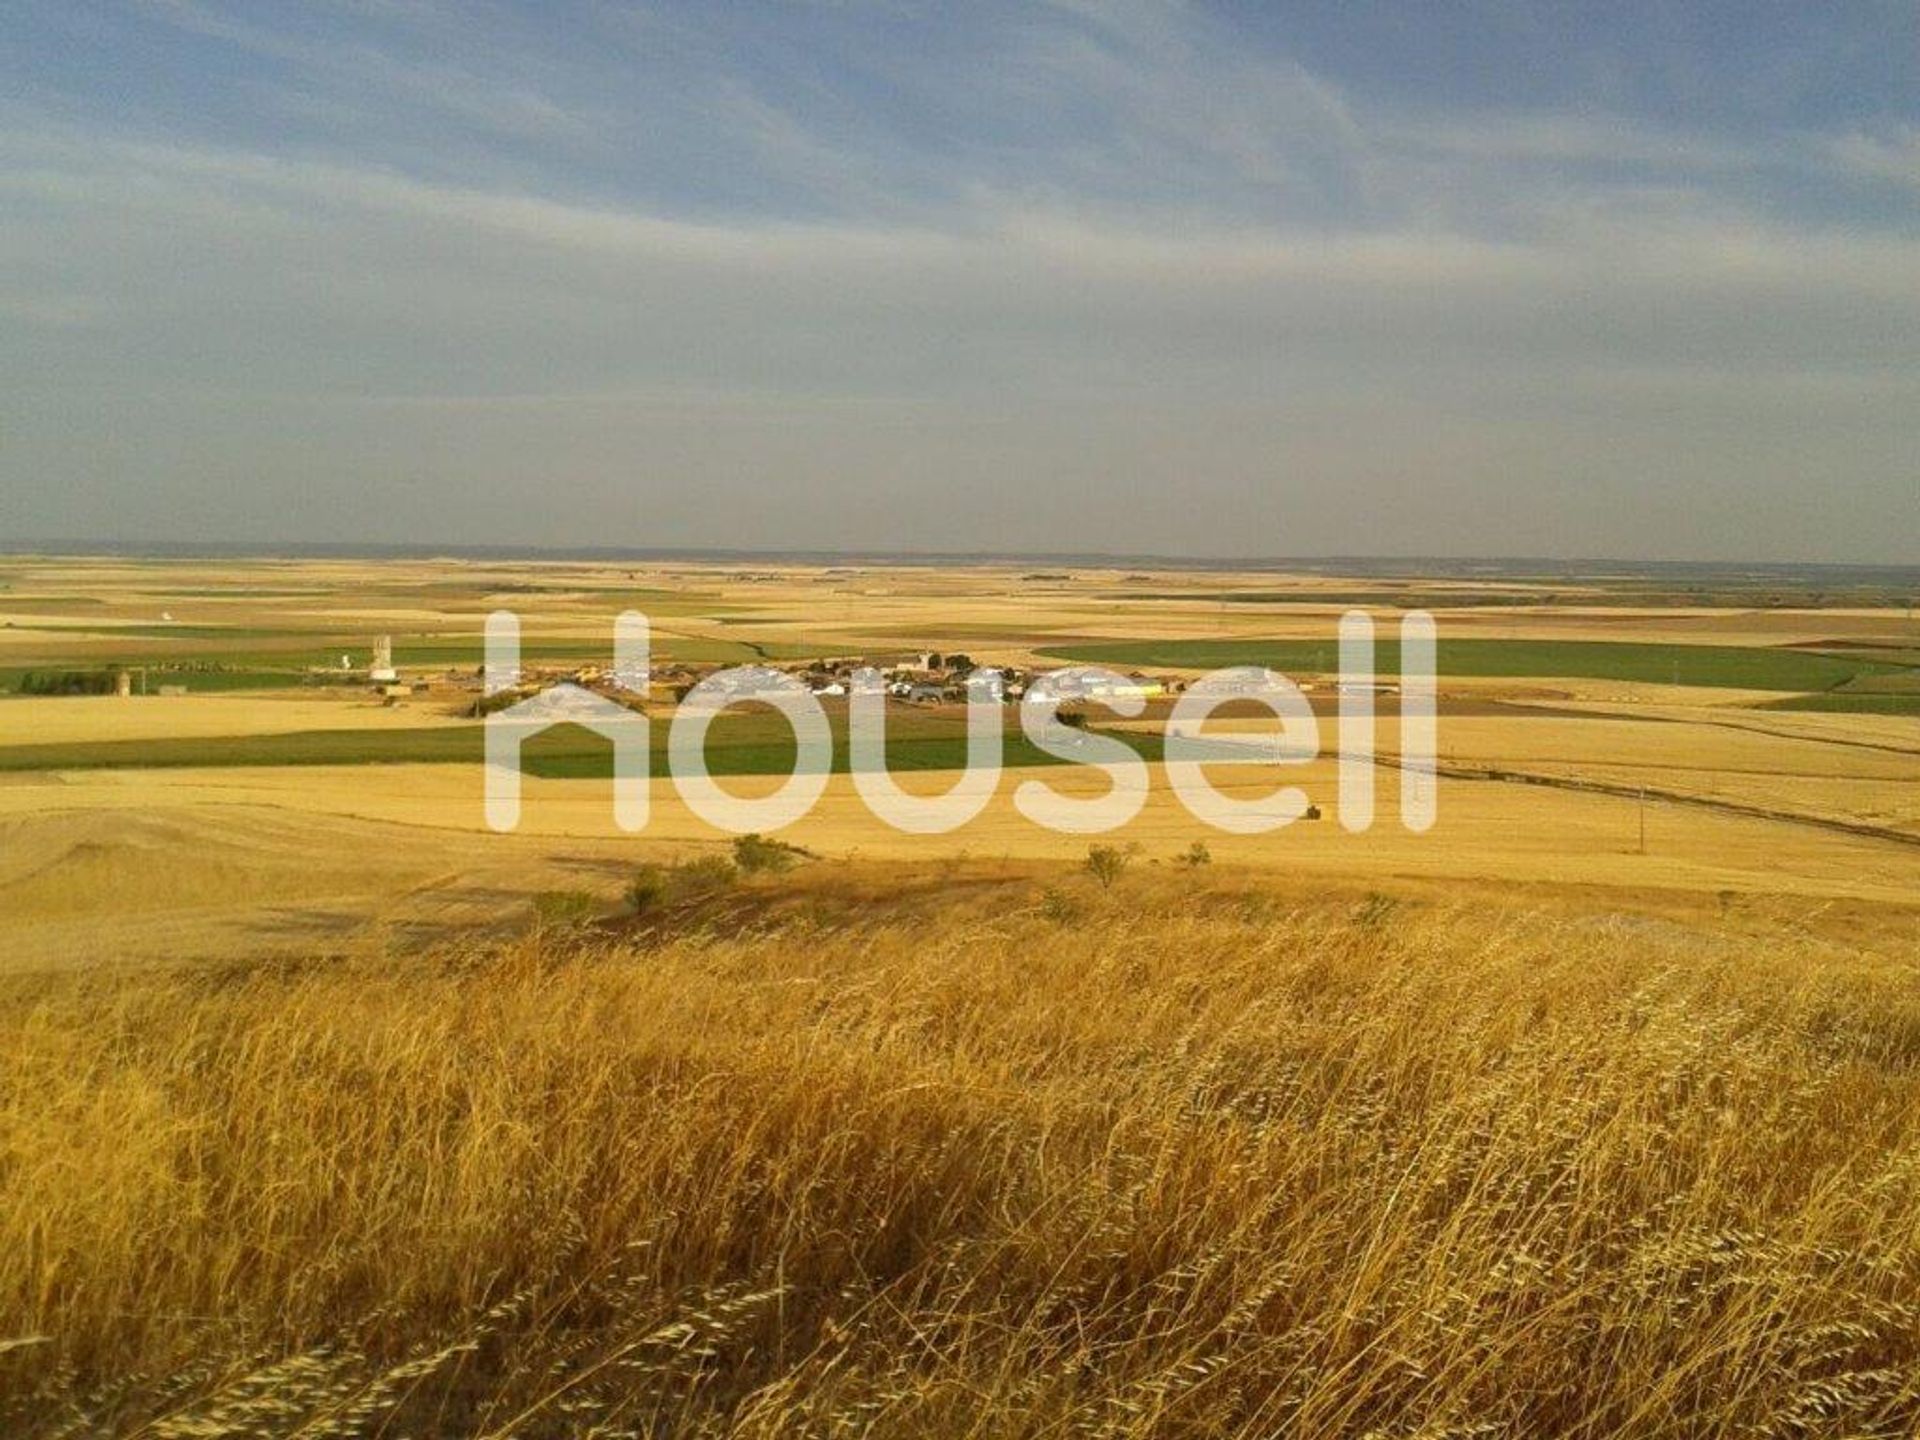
(1197, 854)
(1105, 862)
(647, 891)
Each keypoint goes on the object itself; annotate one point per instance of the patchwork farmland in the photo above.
(262, 943)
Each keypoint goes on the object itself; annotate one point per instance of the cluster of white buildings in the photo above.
(928, 678)
(933, 679)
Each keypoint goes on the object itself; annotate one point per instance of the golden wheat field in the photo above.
(975, 1152)
(325, 1111)
(878, 720)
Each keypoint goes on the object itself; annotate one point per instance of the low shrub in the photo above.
(756, 854)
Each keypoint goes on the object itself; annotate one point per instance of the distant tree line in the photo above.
(67, 682)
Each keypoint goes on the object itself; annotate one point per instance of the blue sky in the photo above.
(1634, 280)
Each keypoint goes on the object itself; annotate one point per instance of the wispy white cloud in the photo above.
(1893, 157)
(1148, 105)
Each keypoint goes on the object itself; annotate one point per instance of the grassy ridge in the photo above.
(1731, 666)
(1173, 1161)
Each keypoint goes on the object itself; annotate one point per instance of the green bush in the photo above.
(756, 853)
(648, 889)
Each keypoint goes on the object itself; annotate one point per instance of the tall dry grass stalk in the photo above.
(1181, 1166)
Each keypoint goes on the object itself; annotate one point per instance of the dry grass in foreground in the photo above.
(1179, 1164)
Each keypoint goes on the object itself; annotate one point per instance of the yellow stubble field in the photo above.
(216, 860)
(180, 861)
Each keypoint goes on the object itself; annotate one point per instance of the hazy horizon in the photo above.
(1383, 566)
(1188, 281)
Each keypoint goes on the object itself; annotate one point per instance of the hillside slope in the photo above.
(1166, 1160)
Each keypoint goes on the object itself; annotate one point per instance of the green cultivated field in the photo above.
(1399, 599)
(194, 681)
(1729, 666)
(148, 630)
(754, 743)
(1851, 702)
(208, 665)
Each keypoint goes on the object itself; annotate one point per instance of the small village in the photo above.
(920, 678)
(925, 678)
(930, 678)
